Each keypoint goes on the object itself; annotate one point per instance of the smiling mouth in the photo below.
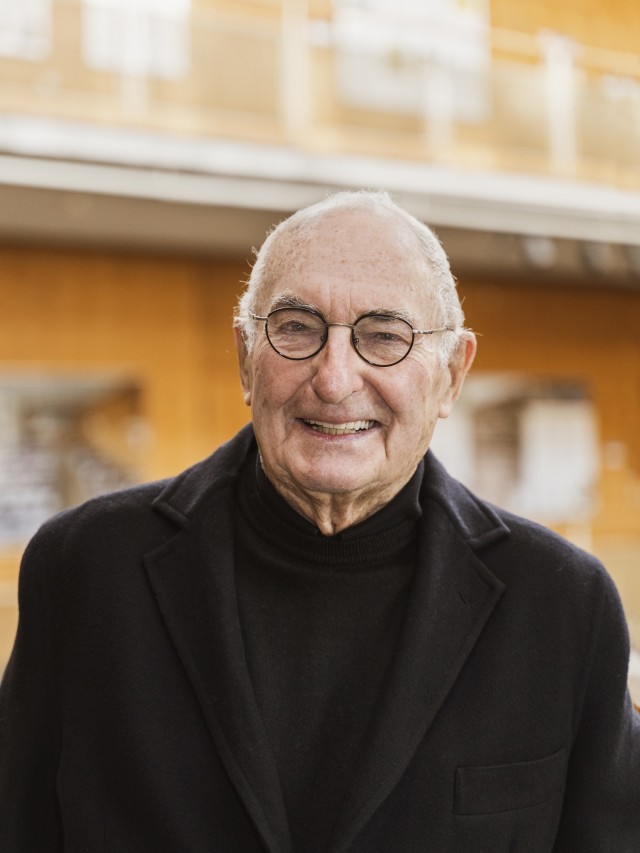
(348, 428)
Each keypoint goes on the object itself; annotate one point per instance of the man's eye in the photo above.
(385, 337)
(293, 328)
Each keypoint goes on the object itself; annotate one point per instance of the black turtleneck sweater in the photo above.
(320, 617)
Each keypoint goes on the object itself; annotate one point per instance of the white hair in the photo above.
(283, 240)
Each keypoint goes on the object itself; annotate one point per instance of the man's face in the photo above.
(353, 263)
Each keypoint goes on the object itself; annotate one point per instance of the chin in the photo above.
(334, 482)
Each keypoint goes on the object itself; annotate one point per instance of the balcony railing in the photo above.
(273, 72)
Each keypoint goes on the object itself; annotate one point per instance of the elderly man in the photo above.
(316, 641)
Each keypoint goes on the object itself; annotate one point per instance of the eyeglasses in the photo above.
(379, 339)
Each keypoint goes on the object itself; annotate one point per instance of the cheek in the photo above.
(414, 397)
(275, 386)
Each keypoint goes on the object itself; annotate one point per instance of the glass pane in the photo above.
(383, 339)
(295, 332)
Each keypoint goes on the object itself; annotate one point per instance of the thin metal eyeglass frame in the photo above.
(352, 326)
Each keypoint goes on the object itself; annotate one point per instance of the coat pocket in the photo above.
(504, 787)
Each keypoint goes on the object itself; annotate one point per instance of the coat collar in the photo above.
(474, 520)
(182, 497)
(192, 578)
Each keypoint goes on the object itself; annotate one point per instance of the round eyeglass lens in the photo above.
(383, 340)
(295, 333)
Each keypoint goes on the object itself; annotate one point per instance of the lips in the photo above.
(348, 428)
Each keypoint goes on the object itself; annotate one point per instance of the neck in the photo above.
(334, 512)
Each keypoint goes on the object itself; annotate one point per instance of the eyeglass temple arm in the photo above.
(432, 331)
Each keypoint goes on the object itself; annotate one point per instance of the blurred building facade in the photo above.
(146, 146)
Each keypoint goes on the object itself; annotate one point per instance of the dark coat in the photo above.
(128, 723)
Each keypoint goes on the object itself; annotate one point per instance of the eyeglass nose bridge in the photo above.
(354, 339)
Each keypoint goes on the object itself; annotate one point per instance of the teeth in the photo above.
(340, 429)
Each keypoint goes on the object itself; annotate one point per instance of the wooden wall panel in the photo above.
(592, 334)
(163, 323)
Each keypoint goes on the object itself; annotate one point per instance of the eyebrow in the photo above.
(290, 300)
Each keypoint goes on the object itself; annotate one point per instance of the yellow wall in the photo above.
(584, 332)
(163, 323)
(613, 24)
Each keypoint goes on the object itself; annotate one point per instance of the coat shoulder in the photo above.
(124, 524)
(532, 561)
(535, 545)
(172, 497)
(509, 543)
(568, 588)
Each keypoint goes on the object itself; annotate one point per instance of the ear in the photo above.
(459, 365)
(244, 363)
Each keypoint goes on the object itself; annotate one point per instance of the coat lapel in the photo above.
(192, 579)
(452, 598)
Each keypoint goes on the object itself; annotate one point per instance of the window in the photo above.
(62, 441)
(530, 446)
(137, 37)
(25, 29)
(414, 55)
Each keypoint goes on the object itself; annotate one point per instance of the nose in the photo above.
(337, 368)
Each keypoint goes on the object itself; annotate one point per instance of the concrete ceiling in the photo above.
(86, 186)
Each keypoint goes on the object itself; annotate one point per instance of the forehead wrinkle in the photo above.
(392, 246)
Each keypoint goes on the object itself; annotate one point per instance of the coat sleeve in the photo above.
(601, 810)
(29, 729)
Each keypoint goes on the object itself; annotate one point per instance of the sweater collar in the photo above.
(404, 507)
(275, 524)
